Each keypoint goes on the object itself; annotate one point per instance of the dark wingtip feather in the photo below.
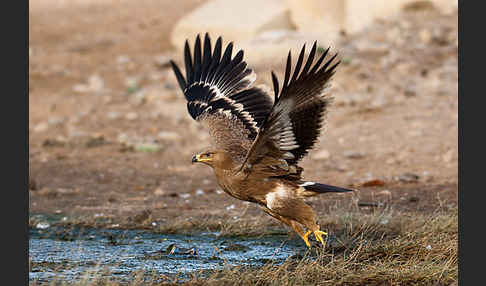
(298, 65)
(217, 49)
(275, 87)
(178, 74)
(319, 61)
(310, 59)
(207, 51)
(287, 71)
(225, 60)
(324, 67)
(334, 66)
(215, 59)
(227, 53)
(188, 61)
(238, 57)
(197, 59)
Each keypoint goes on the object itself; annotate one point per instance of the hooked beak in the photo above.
(197, 159)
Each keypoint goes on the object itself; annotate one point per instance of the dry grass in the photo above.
(377, 248)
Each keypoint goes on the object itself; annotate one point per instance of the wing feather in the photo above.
(219, 95)
(298, 114)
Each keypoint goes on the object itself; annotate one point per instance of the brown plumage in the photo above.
(258, 141)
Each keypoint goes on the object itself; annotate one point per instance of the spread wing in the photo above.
(218, 93)
(297, 116)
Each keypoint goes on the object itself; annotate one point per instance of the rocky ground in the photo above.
(110, 137)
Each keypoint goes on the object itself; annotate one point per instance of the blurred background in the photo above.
(109, 134)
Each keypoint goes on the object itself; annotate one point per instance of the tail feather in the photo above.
(323, 188)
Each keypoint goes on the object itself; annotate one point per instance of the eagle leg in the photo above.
(292, 223)
(298, 229)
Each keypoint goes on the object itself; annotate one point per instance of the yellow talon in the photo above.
(318, 234)
(306, 240)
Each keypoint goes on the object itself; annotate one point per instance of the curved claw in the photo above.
(318, 234)
(306, 240)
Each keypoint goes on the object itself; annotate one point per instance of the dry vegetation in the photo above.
(371, 248)
(418, 250)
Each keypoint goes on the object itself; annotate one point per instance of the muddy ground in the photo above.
(110, 137)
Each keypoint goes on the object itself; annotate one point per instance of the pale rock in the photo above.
(379, 102)
(159, 192)
(319, 17)
(41, 127)
(448, 156)
(168, 136)
(157, 76)
(237, 21)
(373, 48)
(322, 155)
(55, 120)
(185, 195)
(122, 59)
(273, 46)
(332, 17)
(95, 84)
(131, 116)
(42, 225)
(425, 36)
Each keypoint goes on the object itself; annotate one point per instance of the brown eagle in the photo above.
(257, 141)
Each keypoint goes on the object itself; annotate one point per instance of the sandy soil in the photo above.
(109, 134)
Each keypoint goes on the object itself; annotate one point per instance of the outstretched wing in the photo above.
(218, 93)
(294, 123)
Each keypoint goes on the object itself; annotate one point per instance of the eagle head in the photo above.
(215, 158)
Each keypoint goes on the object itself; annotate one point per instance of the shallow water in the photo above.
(70, 254)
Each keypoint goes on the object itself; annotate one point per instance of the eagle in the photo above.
(257, 140)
